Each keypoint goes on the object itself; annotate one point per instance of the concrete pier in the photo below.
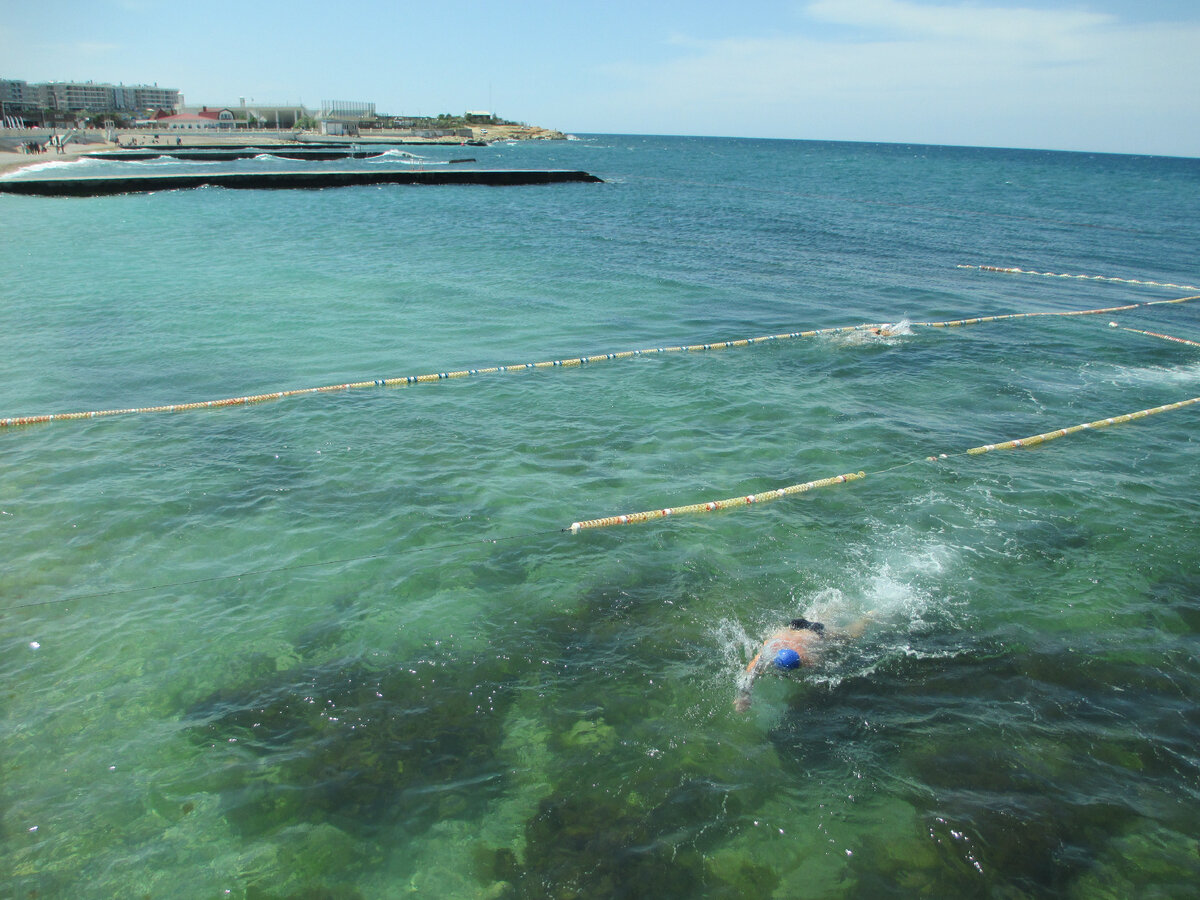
(320, 154)
(105, 185)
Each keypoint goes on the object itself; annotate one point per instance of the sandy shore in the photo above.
(9, 162)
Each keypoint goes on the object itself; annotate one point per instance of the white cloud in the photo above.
(940, 74)
(958, 21)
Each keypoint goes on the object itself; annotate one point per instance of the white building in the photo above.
(85, 96)
(204, 120)
(14, 94)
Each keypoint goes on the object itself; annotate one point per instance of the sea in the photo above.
(347, 644)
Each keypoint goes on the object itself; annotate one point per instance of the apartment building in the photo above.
(87, 96)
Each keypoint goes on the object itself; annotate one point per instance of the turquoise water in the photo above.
(340, 646)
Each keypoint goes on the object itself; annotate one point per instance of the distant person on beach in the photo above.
(799, 644)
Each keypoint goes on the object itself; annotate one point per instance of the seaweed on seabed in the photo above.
(994, 815)
(355, 747)
(596, 845)
(308, 893)
(1176, 599)
(1048, 542)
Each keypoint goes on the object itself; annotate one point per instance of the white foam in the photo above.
(160, 161)
(398, 153)
(892, 593)
(886, 334)
(736, 645)
(41, 168)
(1137, 376)
(406, 161)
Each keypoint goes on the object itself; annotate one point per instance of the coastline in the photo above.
(11, 159)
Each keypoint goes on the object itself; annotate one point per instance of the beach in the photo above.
(12, 161)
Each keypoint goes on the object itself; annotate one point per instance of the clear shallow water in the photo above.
(339, 643)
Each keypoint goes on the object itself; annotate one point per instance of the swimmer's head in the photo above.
(787, 658)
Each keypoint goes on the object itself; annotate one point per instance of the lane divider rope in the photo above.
(1015, 271)
(1063, 432)
(405, 380)
(1165, 337)
(712, 505)
(952, 323)
(765, 496)
(634, 518)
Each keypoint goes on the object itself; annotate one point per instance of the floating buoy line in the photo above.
(1015, 271)
(663, 512)
(573, 362)
(628, 518)
(1165, 337)
(765, 496)
(406, 380)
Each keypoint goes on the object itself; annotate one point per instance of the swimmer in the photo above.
(894, 330)
(799, 644)
(869, 334)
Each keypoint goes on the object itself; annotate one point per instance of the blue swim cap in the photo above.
(787, 658)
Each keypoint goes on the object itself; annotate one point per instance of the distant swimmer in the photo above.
(870, 334)
(799, 644)
(896, 329)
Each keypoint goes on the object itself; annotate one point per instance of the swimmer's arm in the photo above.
(746, 684)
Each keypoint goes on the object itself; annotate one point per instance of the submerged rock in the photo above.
(593, 735)
(359, 748)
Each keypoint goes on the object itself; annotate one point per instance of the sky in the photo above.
(1119, 76)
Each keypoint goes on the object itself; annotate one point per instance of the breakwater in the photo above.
(107, 185)
(320, 154)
